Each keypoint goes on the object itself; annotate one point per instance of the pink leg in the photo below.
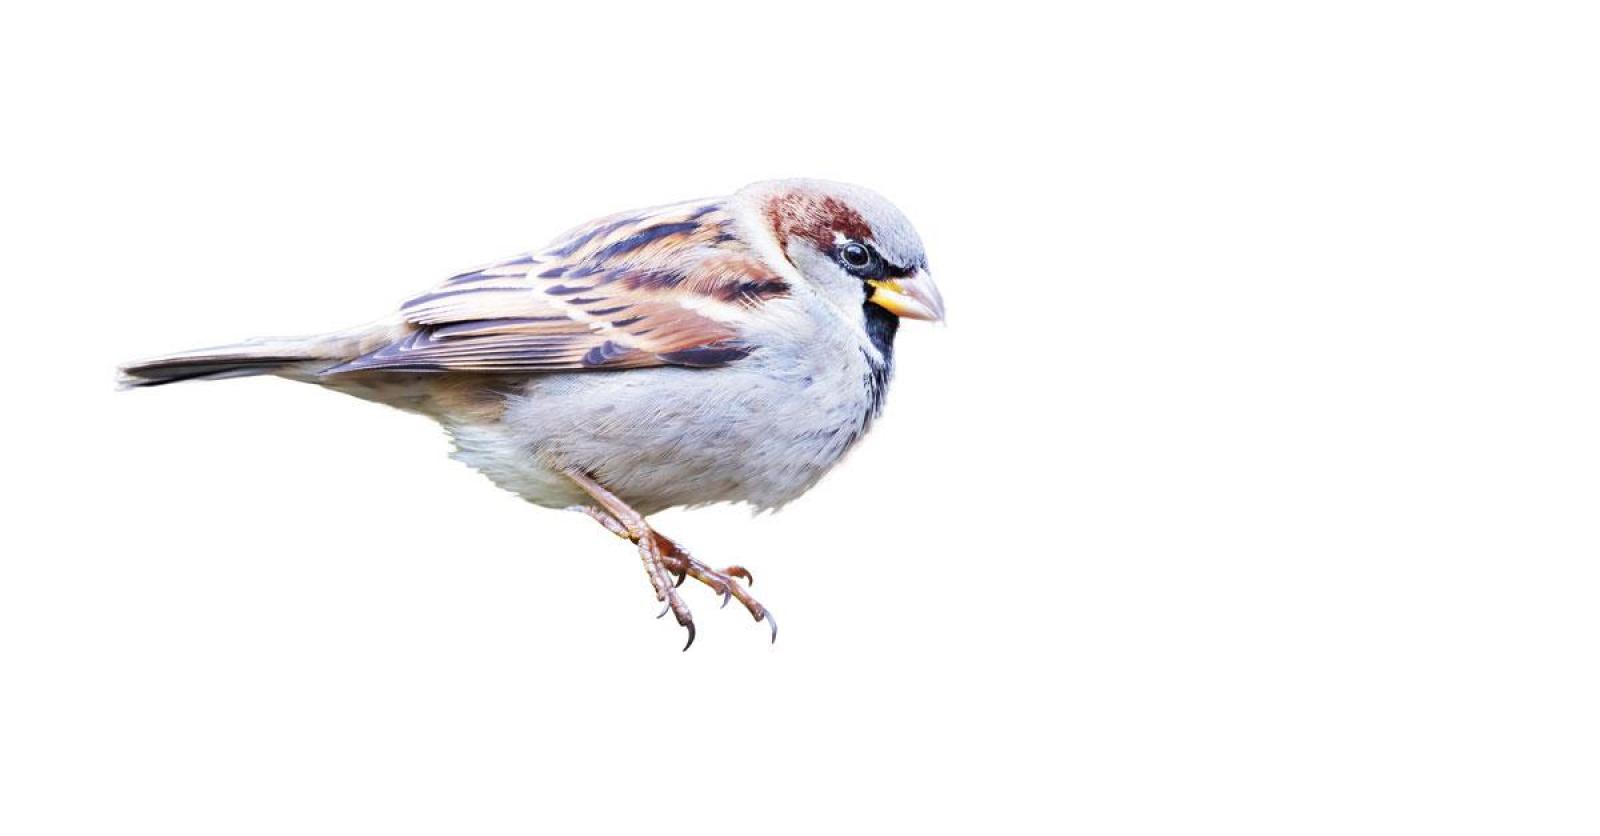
(678, 561)
(632, 523)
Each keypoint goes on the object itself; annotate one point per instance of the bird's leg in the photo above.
(633, 527)
(673, 565)
(604, 519)
(678, 561)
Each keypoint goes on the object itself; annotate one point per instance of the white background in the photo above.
(1251, 488)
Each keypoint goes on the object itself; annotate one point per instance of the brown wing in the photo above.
(668, 286)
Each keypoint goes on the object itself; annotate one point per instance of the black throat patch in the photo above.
(881, 328)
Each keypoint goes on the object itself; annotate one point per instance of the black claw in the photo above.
(681, 576)
(774, 622)
(690, 627)
(664, 608)
(726, 594)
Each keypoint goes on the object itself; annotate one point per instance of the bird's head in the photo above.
(850, 244)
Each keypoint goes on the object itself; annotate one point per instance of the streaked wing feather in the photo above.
(666, 286)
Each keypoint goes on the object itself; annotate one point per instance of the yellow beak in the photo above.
(912, 297)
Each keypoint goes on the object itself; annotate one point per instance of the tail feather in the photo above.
(266, 356)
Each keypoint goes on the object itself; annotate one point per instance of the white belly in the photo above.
(762, 431)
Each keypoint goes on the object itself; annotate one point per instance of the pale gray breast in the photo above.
(762, 430)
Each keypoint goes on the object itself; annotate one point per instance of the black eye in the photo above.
(856, 256)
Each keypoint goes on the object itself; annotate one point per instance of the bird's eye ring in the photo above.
(855, 255)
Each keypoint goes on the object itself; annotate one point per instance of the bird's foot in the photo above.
(661, 573)
(668, 564)
(679, 562)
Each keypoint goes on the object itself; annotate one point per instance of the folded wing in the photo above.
(667, 286)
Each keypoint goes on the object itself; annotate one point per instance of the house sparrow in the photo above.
(720, 350)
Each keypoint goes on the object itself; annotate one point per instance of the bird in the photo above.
(719, 350)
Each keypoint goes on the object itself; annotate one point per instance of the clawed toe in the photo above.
(677, 564)
(667, 564)
(725, 582)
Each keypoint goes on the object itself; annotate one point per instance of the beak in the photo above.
(911, 297)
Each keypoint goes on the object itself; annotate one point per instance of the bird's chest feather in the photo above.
(761, 431)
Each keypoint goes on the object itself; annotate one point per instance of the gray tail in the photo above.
(266, 356)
